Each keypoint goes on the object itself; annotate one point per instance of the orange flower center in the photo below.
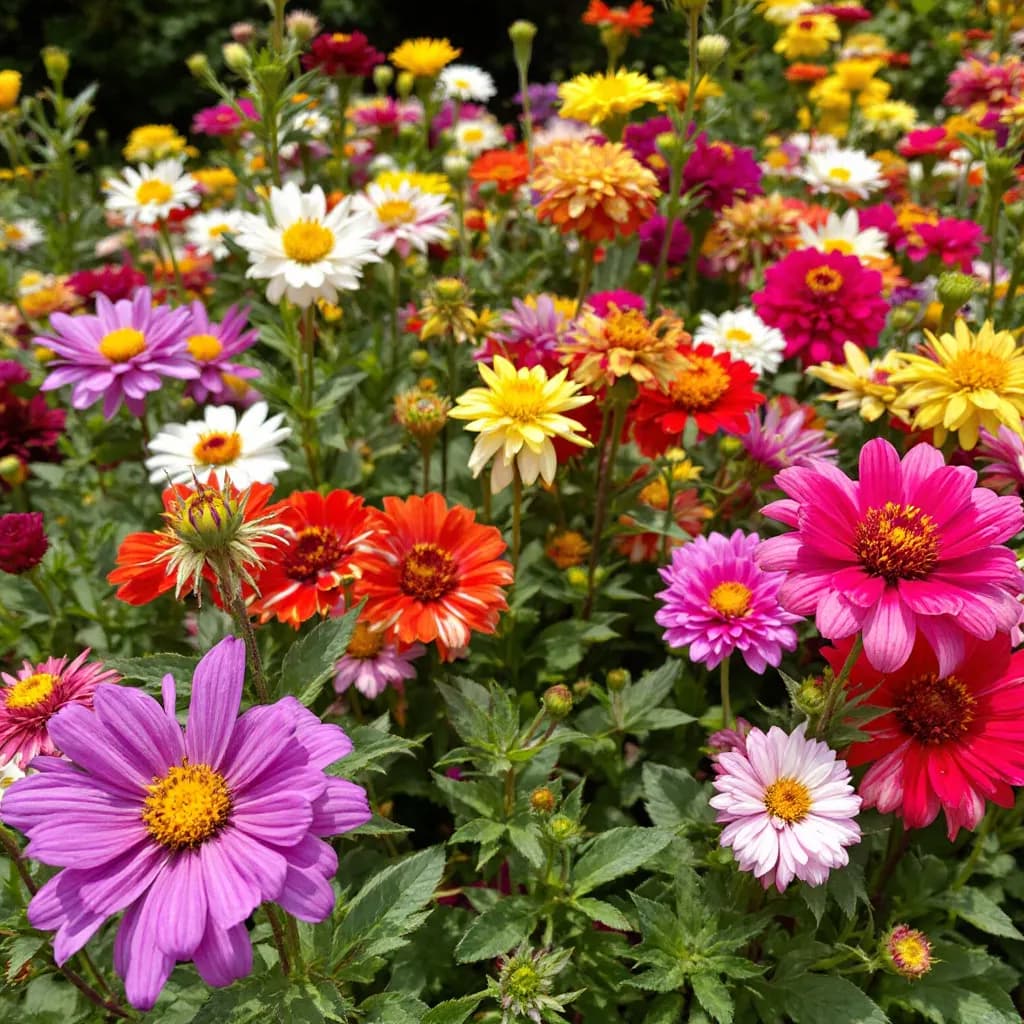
(935, 709)
(788, 799)
(153, 191)
(701, 386)
(306, 241)
(365, 642)
(396, 211)
(897, 542)
(204, 347)
(823, 280)
(340, 37)
(121, 345)
(974, 371)
(428, 572)
(31, 691)
(316, 549)
(216, 448)
(731, 599)
(189, 805)
(628, 328)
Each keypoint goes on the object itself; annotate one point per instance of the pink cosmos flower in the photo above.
(1005, 454)
(224, 119)
(30, 699)
(718, 601)
(912, 548)
(212, 346)
(372, 663)
(120, 354)
(788, 807)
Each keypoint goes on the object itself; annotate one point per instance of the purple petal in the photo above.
(137, 957)
(231, 894)
(224, 955)
(178, 900)
(343, 807)
(216, 696)
(142, 731)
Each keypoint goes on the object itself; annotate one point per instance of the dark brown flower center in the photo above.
(316, 549)
(935, 709)
(897, 542)
(428, 572)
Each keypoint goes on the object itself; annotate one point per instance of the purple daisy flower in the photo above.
(371, 664)
(212, 346)
(779, 440)
(121, 353)
(718, 601)
(543, 100)
(186, 832)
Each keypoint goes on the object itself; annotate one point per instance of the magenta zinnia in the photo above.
(186, 832)
(913, 547)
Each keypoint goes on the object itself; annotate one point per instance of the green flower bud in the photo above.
(955, 289)
(404, 84)
(711, 51)
(617, 679)
(198, 65)
(557, 701)
(236, 57)
(57, 64)
(562, 829)
(383, 76)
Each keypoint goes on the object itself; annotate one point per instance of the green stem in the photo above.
(34, 578)
(179, 284)
(231, 592)
(307, 356)
(279, 940)
(994, 223)
(510, 792)
(425, 459)
(726, 704)
(837, 687)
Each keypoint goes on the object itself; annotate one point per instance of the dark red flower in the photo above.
(29, 428)
(116, 281)
(22, 541)
(342, 53)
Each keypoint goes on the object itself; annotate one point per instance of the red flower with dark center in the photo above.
(342, 53)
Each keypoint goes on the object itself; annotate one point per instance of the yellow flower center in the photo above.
(840, 245)
(461, 83)
(13, 233)
(216, 230)
(823, 280)
(935, 709)
(121, 345)
(788, 799)
(472, 135)
(839, 174)
(912, 953)
(700, 386)
(316, 549)
(738, 335)
(974, 370)
(731, 599)
(396, 211)
(428, 572)
(365, 642)
(340, 37)
(31, 691)
(204, 347)
(306, 241)
(521, 400)
(153, 191)
(628, 328)
(189, 805)
(897, 542)
(216, 448)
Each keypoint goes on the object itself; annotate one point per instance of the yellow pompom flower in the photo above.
(603, 98)
(423, 57)
(863, 383)
(810, 35)
(964, 382)
(516, 415)
(153, 142)
(10, 89)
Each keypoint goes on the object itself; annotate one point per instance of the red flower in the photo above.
(342, 53)
(435, 575)
(116, 281)
(507, 168)
(946, 742)
(716, 390)
(29, 428)
(323, 549)
(630, 19)
(927, 142)
(22, 541)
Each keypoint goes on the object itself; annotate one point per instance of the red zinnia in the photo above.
(507, 168)
(630, 19)
(947, 742)
(342, 53)
(435, 575)
(322, 551)
(716, 390)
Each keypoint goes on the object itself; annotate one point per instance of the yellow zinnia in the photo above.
(964, 383)
(423, 57)
(864, 384)
(517, 414)
(10, 89)
(598, 99)
(810, 35)
(153, 142)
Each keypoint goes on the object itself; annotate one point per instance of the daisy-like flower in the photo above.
(213, 347)
(206, 231)
(782, 12)
(844, 234)
(1004, 452)
(843, 171)
(342, 53)
(743, 335)
(187, 832)
(222, 443)
(322, 551)
(913, 548)
(20, 235)
(30, 699)
(508, 169)
(152, 194)
(783, 438)
(809, 35)
(208, 527)
(120, 354)
(516, 415)
(963, 383)
(949, 740)
(405, 219)
(9, 774)
(477, 135)
(608, 97)
(423, 57)
(435, 574)
(308, 253)
(863, 383)
(908, 951)
(718, 601)
(371, 664)
(788, 807)
(599, 190)
(466, 82)
(625, 20)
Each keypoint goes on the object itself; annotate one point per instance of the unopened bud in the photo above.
(577, 577)
(383, 76)
(907, 952)
(302, 25)
(419, 358)
(563, 829)
(243, 32)
(206, 520)
(542, 800)
(198, 65)
(557, 701)
(522, 34)
(904, 316)
(57, 64)
(669, 146)
(404, 84)
(236, 57)
(13, 471)
(711, 51)
(617, 679)
(581, 688)
(955, 289)
(810, 697)
(456, 167)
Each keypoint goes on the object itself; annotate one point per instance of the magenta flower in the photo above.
(1005, 454)
(955, 242)
(212, 346)
(914, 547)
(23, 541)
(224, 118)
(779, 440)
(721, 172)
(121, 353)
(186, 832)
(530, 335)
(718, 601)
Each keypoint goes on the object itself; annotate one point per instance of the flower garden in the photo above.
(551, 557)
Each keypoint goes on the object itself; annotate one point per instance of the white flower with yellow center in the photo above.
(406, 217)
(19, 235)
(466, 82)
(478, 135)
(244, 449)
(307, 253)
(151, 194)
(206, 231)
(843, 234)
(845, 171)
(743, 335)
(782, 12)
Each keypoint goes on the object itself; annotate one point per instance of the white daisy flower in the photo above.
(782, 12)
(11, 773)
(244, 449)
(406, 217)
(844, 235)
(206, 231)
(849, 171)
(466, 82)
(478, 135)
(743, 335)
(20, 235)
(308, 253)
(149, 194)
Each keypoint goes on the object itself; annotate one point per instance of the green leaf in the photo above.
(497, 930)
(640, 711)
(666, 1009)
(453, 1011)
(615, 853)
(604, 913)
(151, 669)
(370, 746)
(978, 909)
(713, 995)
(311, 659)
(673, 797)
(828, 999)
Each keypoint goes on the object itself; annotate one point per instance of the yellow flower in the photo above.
(855, 74)
(891, 117)
(423, 57)
(10, 89)
(678, 90)
(517, 414)
(447, 310)
(809, 35)
(598, 99)
(965, 382)
(217, 183)
(781, 12)
(863, 383)
(153, 142)
(432, 183)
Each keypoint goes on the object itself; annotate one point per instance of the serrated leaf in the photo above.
(984, 913)
(828, 999)
(714, 996)
(497, 930)
(666, 1009)
(151, 669)
(370, 746)
(673, 797)
(640, 710)
(616, 853)
(311, 659)
(453, 1011)
(604, 913)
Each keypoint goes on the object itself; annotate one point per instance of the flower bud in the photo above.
(581, 688)
(383, 76)
(198, 65)
(810, 697)
(904, 316)
(13, 471)
(419, 358)
(522, 34)
(577, 577)
(243, 32)
(10, 89)
(57, 64)
(562, 829)
(711, 51)
(236, 57)
(456, 166)
(404, 84)
(557, 701)
(670, 146)
(617, 679)
(302, 25)
(22, 541)
(907, 952)
(955, 289)
(542, 800)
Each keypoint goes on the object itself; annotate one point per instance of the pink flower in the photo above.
(985, 80)
(788, 807)
(782, 439)
(372, 664)
(224, 118)
(1005, 454)
(602, 302)
(718, 601)
(956, 242)
(212, 346)
(913, 548)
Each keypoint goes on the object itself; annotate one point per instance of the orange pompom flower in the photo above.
(435, 575)
(506, 168)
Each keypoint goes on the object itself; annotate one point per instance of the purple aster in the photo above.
(544, 101)
(371, 664)
(212, 345)
(718, 601)
(783, 439)
(123, 352)
(531, 334)
(1005, 454)
(187, 832)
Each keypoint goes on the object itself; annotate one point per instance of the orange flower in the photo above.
(599, 190)
(322, 551)
(435, 574)
(567, 549)
(632, 19)
(805, 73)
(507, 168)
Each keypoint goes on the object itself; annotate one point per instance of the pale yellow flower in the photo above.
(863, 383)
